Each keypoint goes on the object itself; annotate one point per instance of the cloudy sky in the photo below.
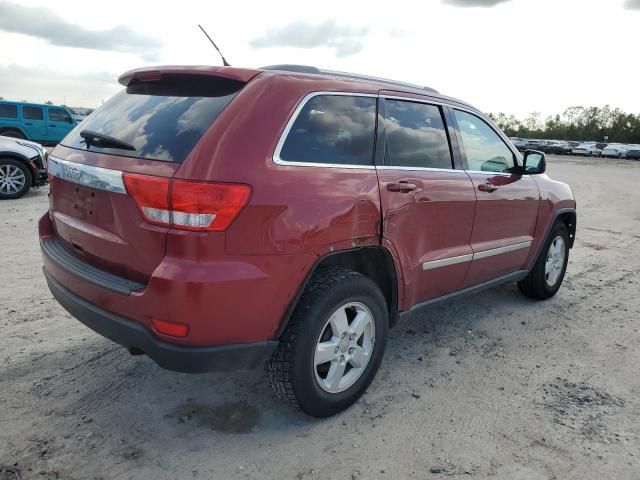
(515, 56)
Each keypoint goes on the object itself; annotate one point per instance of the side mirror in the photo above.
(534, 162)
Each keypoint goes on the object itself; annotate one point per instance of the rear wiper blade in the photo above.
(100, 140)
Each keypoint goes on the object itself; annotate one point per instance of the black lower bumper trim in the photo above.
(136, 337)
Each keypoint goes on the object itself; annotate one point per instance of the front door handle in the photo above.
(403, 187)
(487, 187)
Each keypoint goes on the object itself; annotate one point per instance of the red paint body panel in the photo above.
(419, 224)
(503, 217)
(232, 73)
(236, 286)
(106, 228)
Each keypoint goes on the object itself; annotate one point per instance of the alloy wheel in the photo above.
(12, 179)
(555, 261)
(344, 347)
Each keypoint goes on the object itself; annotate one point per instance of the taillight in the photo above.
(199, 206)
(206, 206)
(152, 196)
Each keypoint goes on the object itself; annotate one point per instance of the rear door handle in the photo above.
(28, 123)
(403, 187)
(487, 187)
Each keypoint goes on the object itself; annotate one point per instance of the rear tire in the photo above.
(13, 134)
(546, 276)
(15, 179)
(324, 363)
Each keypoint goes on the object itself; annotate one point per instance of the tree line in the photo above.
(575, 123)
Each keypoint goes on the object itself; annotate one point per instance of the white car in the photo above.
(586, 150)
(615, 150)
(23, 164)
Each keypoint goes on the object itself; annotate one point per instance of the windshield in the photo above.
(159, 120)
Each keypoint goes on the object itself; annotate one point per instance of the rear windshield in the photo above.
(162, 119)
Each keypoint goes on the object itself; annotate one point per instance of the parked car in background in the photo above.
(23, 164)
(535, 144)
(37, 122)
(586, 150)
(558, 147)
(614, 150)
(156, 244)
(519, 143)
(633, 152)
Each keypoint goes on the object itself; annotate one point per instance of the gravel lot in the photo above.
(494, 385)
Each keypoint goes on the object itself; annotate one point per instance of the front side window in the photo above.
(416, 136)
(333, 129)
(59, 115)
(485, 150)
(32, 113)
(8, 111)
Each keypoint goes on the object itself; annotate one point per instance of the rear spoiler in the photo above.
(155, 73)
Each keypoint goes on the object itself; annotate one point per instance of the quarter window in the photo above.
(59, 115)
(485, 150)
(32, 113)
(416, 136)
(335, 129)
(8, 111)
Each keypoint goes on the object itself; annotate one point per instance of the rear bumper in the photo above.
(136, 337)
(228, 300)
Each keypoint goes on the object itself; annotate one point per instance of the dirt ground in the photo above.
(493, 385)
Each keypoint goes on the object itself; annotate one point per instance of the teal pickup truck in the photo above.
(35, 122)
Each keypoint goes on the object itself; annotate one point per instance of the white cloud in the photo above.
(37, 84)
(474, 3)
(345, 40)
(43, 23)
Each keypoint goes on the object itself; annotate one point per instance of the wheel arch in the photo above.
(14, 128)
(569, 218)
(374, 262)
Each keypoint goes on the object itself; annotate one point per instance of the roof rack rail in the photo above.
(352, 76)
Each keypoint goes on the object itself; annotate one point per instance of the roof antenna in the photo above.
(224, 60)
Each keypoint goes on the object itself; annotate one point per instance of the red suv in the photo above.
(217, 218)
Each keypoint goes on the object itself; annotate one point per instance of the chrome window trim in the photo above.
(422, 169)
(276, 154)
(484, 172)
(497, 251)
(87, 175)
(445, 262)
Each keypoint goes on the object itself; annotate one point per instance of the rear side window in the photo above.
(333, 129)
(8, 111)
(59, 115)
(32, 113)
(416, 136)
(162, 119)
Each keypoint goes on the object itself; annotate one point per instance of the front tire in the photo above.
(15, 179)
(546, 276)
(333, 345)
